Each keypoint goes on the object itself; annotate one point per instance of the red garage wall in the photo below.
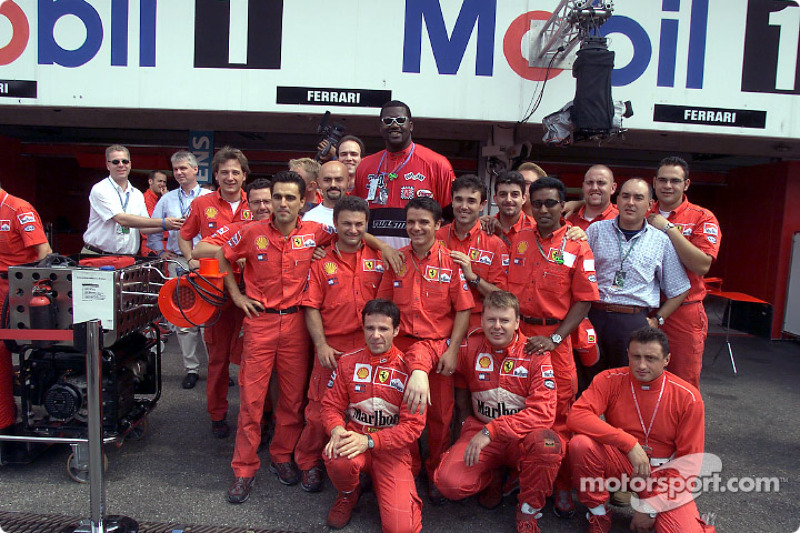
(760, 215)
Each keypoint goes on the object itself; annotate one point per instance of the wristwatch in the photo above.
(660, 319)
(370, 443)
(668, 227)
(652, 515)
(556, 338)
(475, 282)
(486, 432)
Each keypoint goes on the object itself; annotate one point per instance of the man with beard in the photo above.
(332, 183)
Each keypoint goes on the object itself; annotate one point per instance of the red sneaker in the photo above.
(527, 523)
(339, 515)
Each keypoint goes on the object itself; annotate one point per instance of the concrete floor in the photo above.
(178, 473)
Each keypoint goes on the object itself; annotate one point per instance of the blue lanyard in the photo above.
(127, 195)
(393, 174)
(180, 200)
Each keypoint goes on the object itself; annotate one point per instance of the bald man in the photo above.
(332, 181)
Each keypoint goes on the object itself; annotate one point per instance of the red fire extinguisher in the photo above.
(42, 309)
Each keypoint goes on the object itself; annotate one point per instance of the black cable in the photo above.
(216, 298)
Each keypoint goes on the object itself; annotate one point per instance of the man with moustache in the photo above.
(332, 182)
(389, 179)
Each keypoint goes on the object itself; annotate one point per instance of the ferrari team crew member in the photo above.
(513, 407)
(117, 210)
(598, 186)
(530, 172)
(22, 240)
(481, 256)
(696, 236)
(435, 303)
(277, 255)
(176, 203)
(652, 423)
(371, 427)
(339, 286)
(554, 279)
(206, 215)
(156, 188)
(510, 194)
(404, 170)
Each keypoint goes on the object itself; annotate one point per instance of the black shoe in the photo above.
(240, 490)
(190, 380)
(312, 479)
(288, 474)
(231, 382)
(435, 495)
(220, 428)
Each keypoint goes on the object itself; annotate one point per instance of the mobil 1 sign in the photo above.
(771, 45)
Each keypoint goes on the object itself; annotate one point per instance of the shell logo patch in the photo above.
(403, 270)
(330, 268)
(484, 363)
(262, 242)
(522, 247)
(362, 373)
(211, 212)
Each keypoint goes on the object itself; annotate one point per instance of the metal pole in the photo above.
(94, 376)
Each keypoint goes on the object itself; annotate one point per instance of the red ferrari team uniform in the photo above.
(388, 180)
(523, 222)
(20, 232)
(429, 292)
(488, 257)
(687, 327)
(578, 218)
(368, 390)
(514, 398)
(665, 416)
(207, 214)
(548, 275)
(275, 274)
(339, 286)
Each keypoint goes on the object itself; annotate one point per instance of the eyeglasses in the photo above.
(672, 181)
(397, 120)
(260, 202)
(549, 203)
(118, 161)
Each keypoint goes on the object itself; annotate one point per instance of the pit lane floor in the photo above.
(178, 474)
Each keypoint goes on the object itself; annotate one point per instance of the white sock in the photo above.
(527, 509)
(600, 510)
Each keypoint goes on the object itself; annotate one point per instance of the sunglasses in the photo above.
(397, 120)
(118, 161)
(549, 203)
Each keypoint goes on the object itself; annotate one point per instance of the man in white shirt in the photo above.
(332, 182)
(117, 210)
(176, 204)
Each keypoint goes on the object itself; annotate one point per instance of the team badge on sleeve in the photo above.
(362, 373)
(547, 371)
(26, 218)
(332, 380)
(588, 265)
(710, 229)
(5, 225)
(234, 240)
